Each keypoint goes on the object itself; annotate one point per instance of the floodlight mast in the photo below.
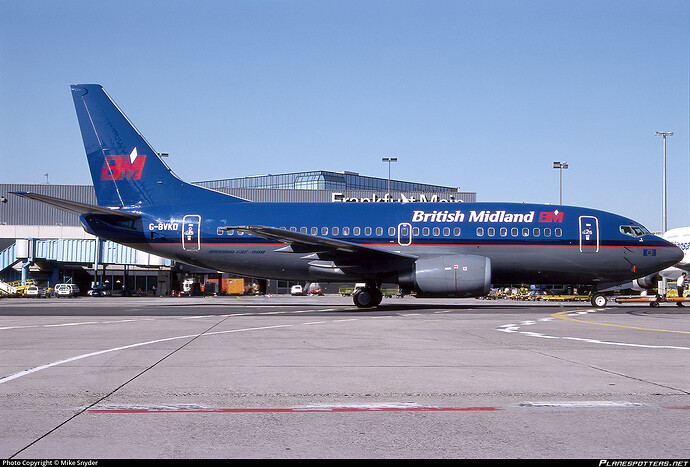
(560, 166)
(389, 160)
(664, 206)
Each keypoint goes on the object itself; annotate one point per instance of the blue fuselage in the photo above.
(526, 243)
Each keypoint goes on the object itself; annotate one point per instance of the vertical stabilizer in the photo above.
(125, 169)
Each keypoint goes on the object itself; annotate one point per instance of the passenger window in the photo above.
(446, 231)
(324, 231)
(491, 231)
(379, 231)
(536, 232)
(415, 231)
(356, 231)
(314, 230)
(425, 231)
(514, 232)
(391, 231)
(293, 229)
(559, 232)
(367, 231)
(547, 232)
(504, 231)
(436, 231)
(456, 231)
(346, 231)
(480, 231)
(525, 232)
(335, 231)
(219, 231)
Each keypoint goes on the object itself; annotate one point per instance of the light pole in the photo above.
(664, 208)
(560, 166)
(389, 160)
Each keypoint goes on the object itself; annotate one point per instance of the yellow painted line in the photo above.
(559, 315)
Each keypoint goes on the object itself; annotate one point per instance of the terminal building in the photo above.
(48, 245)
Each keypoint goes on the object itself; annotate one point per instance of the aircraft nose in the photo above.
(671, 254)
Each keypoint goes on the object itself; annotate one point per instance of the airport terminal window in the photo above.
(491, 231)
(335, 231)
(346, 231)
(514, 232)
(559, 232)
(436, 231)
(456, 231)
(547, 232)
(425, 231)
(446, 231)
(504, 231)
(480, 231)
(356, 231)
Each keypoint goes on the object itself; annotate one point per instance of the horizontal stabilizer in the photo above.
(74, 206)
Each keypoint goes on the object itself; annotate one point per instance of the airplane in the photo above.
(681, 238)
(431, 249)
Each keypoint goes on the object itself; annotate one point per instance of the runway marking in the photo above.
(131, 346)
(318, 408)
(366, 407)
(564, 315)
(516, 328)
(581, 404)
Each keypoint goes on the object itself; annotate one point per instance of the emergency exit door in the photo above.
(191, 238)
(589, 234)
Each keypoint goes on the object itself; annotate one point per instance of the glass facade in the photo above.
(322, 180)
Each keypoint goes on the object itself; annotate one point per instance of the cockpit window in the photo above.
(634, 230)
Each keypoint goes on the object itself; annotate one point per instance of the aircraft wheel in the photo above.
(598, 300)
(366, 298)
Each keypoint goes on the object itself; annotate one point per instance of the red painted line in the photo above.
(300, 410)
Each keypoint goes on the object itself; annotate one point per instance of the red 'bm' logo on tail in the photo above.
(123, 167)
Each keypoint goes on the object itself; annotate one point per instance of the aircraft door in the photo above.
(589, 234)
(404, 234)
(191, 238)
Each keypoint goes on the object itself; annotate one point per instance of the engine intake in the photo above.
(449, 276)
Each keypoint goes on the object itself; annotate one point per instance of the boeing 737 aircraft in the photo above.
(432, 249)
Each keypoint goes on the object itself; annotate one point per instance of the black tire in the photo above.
(367, 298)
(598, 300)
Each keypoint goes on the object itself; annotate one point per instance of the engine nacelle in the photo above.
(646, 282)
(449, 276)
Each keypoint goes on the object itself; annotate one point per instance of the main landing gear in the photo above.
(367, 297)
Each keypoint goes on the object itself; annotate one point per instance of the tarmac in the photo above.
(314, 377)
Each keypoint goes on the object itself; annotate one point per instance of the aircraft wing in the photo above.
(331, 253)
(74, 206)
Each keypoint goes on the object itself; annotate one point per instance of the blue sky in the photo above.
(479, 95)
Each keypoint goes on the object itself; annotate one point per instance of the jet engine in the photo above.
(646, 282)
(449, 276)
